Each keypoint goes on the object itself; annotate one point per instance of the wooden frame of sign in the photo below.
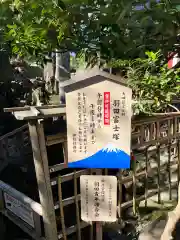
(98, 109)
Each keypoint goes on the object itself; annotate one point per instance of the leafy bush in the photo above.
(153, 84)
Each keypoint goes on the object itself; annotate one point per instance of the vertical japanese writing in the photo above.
(87, 200)
(102, 190)
(106, 108)
(80, 121)
(92, 123)
(116, 119)
(123, 104)
(99, 109)
(96, 199)
(84, 124)
(110, 201)
(74, 143)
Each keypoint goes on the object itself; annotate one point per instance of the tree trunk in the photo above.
(6, 75)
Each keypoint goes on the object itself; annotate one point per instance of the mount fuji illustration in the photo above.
(111, 148)
(108, 157)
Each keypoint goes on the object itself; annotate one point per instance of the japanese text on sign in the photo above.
(99, 109)
(19, 209)
(116, 119)
(98, 198)
(95, 116)
(107, 108)
(99, 126)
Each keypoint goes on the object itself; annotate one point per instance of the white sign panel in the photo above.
(99, 125)
(19, 209)
(98, 198)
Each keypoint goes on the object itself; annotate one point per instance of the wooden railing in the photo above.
(156, 150)
(21, 210)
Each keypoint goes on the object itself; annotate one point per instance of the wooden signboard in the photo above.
(98, 109)
(98, 198)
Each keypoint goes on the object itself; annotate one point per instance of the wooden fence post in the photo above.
(43, 179)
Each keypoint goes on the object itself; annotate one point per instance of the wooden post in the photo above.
(99, 233)
(37, 224)
(1, 200)
(43, 179)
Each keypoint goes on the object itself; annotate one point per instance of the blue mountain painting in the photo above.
(108, 157)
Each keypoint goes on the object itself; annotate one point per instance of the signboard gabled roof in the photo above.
(87, 77)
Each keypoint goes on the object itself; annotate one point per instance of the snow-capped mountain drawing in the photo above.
(111, 148)
(108, 157)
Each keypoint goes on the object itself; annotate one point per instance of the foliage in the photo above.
(153, 84)
(78, 61)
(114, 28)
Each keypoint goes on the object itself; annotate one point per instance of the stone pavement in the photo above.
(154, 230)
